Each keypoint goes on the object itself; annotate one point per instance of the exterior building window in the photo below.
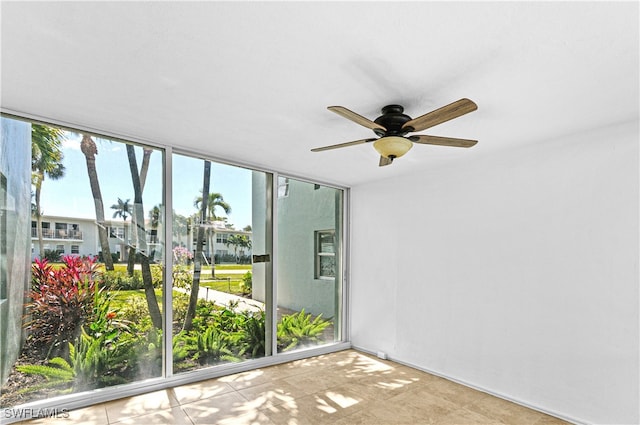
(61, 230)
(222, 238)
(116, 232)
(46, 230)
(325, 253)
(60, 249)
(75, 249)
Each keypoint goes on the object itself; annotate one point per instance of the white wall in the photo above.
(515, 271)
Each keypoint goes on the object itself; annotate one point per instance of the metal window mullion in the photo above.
(273, 306)
(167, 287)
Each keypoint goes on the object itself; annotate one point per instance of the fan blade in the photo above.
(359, 119)
(442, 141)
(342, 145)
(385, 161)
(446, 113)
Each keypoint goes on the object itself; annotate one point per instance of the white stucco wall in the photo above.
(302, 212)
(516, 272)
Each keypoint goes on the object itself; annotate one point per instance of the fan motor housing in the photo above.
(392, 119)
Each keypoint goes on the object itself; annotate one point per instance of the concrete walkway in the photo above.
(224, 299)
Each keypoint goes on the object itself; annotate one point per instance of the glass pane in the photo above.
(327, 242)
(93, 312)
(327, 266)
(309, 287)
(218, 312)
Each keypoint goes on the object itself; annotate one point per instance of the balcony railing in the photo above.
(58, 234)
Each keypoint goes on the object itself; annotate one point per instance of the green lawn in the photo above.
(246, 267)
(231, 286)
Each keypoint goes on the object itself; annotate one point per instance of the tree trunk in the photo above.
(131, 260)
(144, 168)
(38, 185)
(197, 258)
(90, 150)
(213, 253)
(131, 255)
(152, 302)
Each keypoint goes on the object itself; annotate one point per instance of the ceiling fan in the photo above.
(392, 127)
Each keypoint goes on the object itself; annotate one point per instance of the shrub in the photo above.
(180, 306)
(115, 256)
(182, 277)
(247, 283)
(157, 272)
(182, 256)
(120, 280)
(60, 301)
(135, 310)
(51, 255)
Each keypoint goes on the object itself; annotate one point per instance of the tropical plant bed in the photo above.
(82, 336)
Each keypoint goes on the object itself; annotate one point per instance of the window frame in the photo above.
(318, 254)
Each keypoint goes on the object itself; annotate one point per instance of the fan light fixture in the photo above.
(392, 126)
(392, 146)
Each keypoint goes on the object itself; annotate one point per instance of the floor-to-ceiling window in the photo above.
(251, 263)
(309, 223)
(218, 316)
(93, 312)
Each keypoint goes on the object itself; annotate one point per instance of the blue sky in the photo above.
(71, 195)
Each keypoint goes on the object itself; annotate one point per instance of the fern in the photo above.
(58, 373)
(213, 347)
(298, 328)
(54, 374)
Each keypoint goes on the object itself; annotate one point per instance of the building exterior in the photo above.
(309, 223)
(79, 236)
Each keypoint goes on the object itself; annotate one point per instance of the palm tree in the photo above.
(238, 241)
(46, 160)
(213, 200)
(123, 210)
(245, 242)
(90, 150)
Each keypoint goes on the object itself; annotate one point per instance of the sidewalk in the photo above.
(223, 298)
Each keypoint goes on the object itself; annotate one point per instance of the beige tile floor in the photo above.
(341, 388)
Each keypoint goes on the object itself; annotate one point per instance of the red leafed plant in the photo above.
(60, 301)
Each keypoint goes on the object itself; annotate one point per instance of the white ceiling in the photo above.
(250, 81)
